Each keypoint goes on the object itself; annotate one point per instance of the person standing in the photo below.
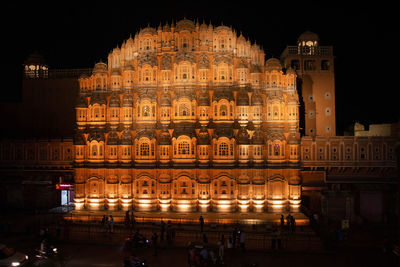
(288, 222)
(111, 223)
(201, 219)
(282, 221)
(292, 223)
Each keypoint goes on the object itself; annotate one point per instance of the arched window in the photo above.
(223, 110)
(94, 150)
(144, 149)
(184, 110)
(146, 111)
(183, 148)
(276, 150)
(223, 149)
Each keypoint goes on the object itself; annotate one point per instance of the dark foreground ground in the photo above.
(88, 245)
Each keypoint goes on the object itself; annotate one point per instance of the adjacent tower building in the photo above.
(314, 65)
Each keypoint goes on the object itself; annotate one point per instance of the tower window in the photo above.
(309, 65)
(325, 65)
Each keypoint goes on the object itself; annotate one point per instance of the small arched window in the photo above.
(223, 110)
(184, 110)
(223, 149)
(144, 149)
(146, 111)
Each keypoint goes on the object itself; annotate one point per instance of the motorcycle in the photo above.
(136, 241)
(45, 255)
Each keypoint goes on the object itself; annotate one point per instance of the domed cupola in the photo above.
(258, 137)
(165, 138)
(100, 68)
(96, 135)
(98, 98)
(242, 98)
(255, 69)
(204, 99)
(127, 100)
(126, 138)
(114, 101)
(112, 138)
(165, 100)
(243, 137)
(79, 139)
(273, 64)
(256, 99)
(203, 137)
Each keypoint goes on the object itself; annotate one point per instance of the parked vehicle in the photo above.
(11, 257)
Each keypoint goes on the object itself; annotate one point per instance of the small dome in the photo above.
(258, 138)
(96, 134)
(243, 137)
(127, 100)
(185, 24)
(165, 100)
(126, 138)
(98, 98)
(79, 140)
(149, 30)
(255, 69)
(242, 98)
(256, 99)
(308, 36)
(165, 138)
(100, 68)
(112, 138)
(204, 99)
(203, 137)
(273, 64)
(115, 72)
(114, 101)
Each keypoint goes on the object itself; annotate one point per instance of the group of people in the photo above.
(290, 222)
(108, 223)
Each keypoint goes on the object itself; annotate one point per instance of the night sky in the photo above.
(79, 35)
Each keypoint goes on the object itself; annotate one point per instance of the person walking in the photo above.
(111, 223)
(282, 221)
(242, 240)
(154, 240)
(292, 223)
(201, 219)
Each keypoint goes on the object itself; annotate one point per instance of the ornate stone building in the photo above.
(188, 117)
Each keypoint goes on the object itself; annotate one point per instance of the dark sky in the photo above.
(78, 35)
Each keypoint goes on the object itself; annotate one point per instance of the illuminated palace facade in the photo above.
(188, 117)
